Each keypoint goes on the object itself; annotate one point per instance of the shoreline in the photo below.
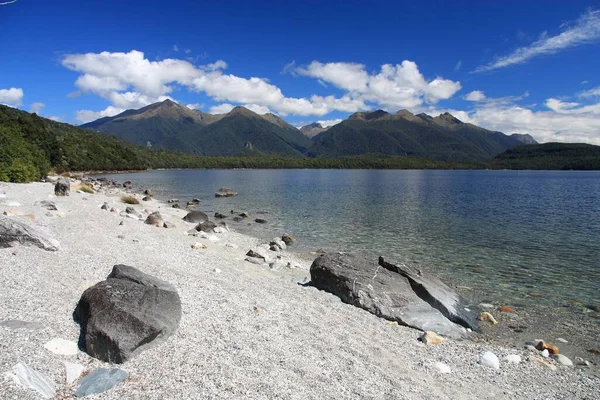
(300, 341)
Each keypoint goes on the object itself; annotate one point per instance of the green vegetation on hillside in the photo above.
(549, 156)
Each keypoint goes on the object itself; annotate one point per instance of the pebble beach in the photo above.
(247, 330)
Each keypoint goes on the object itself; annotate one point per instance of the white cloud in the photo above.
(475, 95)
(12, 97)
(458, 65)
(595, 92)
(585, 30)
(195, 106)
(175, 48)
(221, 108)
(55, 118)
(187, 51)
(36, 107)
(84, 116)
(560, 106)
(258, 108)
(393, 87)
(329, 122)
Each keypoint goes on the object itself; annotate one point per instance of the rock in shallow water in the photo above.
(32, 379)
(100, 381)
(127, 313)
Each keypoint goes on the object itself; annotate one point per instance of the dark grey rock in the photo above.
(130, 210)
(127, 185)
(225, 192)
(62, 187)
(367, 285)
(196, 201)
(146, 198)
(100, 381)
(175, 205)
(220, 216)
(173, 201)
(238, 219)
(148, 192)
(196, 216)
(154, 219)
(127, 313)
(168, 224)
(105, 206)
(260, 221)
(15, 232)
(244, 215)
(48, 205)
(288, 239)
(206, 226)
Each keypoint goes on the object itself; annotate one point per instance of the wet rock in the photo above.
(155, 219)
(62, 187)
(127, 313)
(73, 371)
(442, 368)
(260, 221)
(563, 360)
(489, 359)
(288, 239)
(15, 232)
(100, 380)
(17, 324)
(431, 338)
(513, 359)
(486, 316)
(206, 226)
(196, 217)
(385, 293)
(62, 347)
(30, 378)
(198, 246)
(225, 192)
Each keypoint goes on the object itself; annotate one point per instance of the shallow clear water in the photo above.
(503, 233)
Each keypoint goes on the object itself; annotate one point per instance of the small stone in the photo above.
(30, 378)
(220, 216)
(431, 338)
(217, 271)
(104, 206)
(100, 381)
(288, 239)
(198, 246)
(130, 210)
(545, 353)
(175, 206)
(254, 260)
(168, 224)
(486, 316)
(73, 371)
(513, 358)
(506, 309)
(534, 294)
(244, 215)
(489, 359)
(581, 362)
(562, 360)
(48, 205)
(442, 368)
(561, 340)
(62, 347)
(274, 248)
(155, 219)
(260, 221)
(146, 198)
(231, 245)
(220, 229)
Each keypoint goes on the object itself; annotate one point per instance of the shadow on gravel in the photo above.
(82, 324)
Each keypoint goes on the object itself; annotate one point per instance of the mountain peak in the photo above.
(312, 130)
(407, 115)
(447, 120)
(369, 115)
(240, 110)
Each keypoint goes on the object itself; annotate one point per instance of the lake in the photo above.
(512, 237)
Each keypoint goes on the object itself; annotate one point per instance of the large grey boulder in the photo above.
(62, 187)
(196, 216)
(387, 294)
(206, 226)
(127, 313)
(15, 232)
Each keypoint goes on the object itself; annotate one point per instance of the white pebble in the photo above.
(442, 368)
(513, 358)
(545, 353)
(62, 347)
(489, 359)
(562, 340)
(217, 271)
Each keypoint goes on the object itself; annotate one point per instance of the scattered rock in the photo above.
(198, 246)
(260, 221)
(513, 358)
(196, 217)
(225, 192)
(220, 229)
(385, 293)
(148, 192)
(196, 201)
(16, 324)
(541, 345)
(581, 362)
(175, 206)
(62, 187)
(288, 239)
(258, 252)
(105, 206)
(563, 360)
(244, 215)
(206, 226)
(489, 359)
(238, 219)
(62, 347)
(594, 351)
(15, 232)
(127, 184)
(506, 309)
(114, 210)
(442, 368)
(274, 248)
(220, 216)
(173, 201)
(279, 243)
(73, 371)
(155, 219)
(255, 260)
(100, 381)
(48, 205)
(127, 313)
(130, 210)
(30, 378)
(168, 224)
(545, 353)
(486, 316)
(432, 338)
(146, 198)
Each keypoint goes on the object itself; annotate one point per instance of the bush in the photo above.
(130, 200)
(84, 187)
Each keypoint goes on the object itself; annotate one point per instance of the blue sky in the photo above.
(527, 67)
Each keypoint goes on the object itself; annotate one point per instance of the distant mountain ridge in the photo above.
(170, 126)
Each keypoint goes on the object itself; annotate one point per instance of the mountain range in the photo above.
(170, 126)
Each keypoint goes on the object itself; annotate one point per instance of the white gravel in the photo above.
(246, 331)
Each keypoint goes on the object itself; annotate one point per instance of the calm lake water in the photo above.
(505, 234)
